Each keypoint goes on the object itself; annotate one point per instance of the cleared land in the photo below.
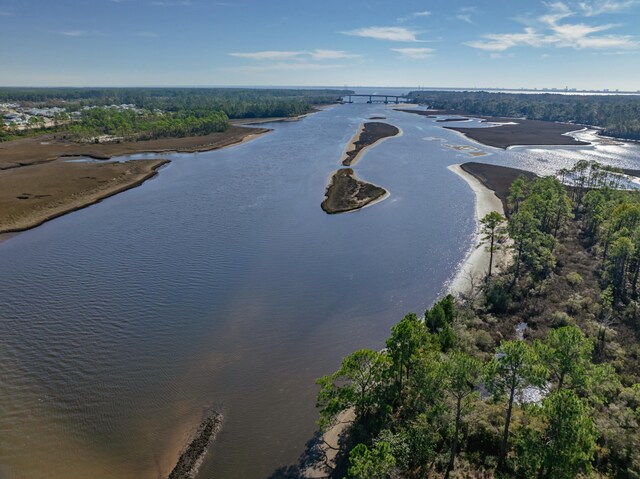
(346, 192)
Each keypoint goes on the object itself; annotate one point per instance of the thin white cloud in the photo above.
(551, 31)
(73, 33)
(268, 55)
(179, 3)
(598, 7)
(285, 66)
(466, 14)
(4, 14)
(147, 34)
(499, 42)
(318, 54)
(414, 53)
(393, 34)
(413, 16)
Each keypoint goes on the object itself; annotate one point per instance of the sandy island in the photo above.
(346, 192)
(37, 183)
(490, 183)
(368, 134)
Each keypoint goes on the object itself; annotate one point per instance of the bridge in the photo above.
(373, 98)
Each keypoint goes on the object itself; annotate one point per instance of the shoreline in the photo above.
(77, 201)
(41, 170)
(378, 137)
(473, 268)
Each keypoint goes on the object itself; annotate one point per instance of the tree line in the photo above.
(617, 115)
(450, 397)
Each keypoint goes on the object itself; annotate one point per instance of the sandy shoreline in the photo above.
(476, 264)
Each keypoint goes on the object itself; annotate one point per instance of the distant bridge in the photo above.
(373, 98)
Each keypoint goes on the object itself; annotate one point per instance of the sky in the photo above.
(583, 44)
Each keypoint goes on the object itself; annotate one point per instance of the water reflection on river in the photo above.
(221, 283)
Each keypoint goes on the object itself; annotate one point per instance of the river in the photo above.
(221, 283)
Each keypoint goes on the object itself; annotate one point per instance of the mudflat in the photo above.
(518, 132)
(510, 131)
(496, 178)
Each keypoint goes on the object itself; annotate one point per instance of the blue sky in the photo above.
(516, 43)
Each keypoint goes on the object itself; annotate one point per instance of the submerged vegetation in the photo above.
(617, 115)
(534, 373)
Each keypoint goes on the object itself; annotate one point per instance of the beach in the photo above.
(476, 265)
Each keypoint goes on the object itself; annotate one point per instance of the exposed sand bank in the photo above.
(475, 266)
(368, 135)
(329, 447)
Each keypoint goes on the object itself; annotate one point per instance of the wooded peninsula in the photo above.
(532, 372)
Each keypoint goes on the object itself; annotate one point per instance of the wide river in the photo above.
(221, 283)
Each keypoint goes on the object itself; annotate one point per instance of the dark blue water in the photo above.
(221, 283)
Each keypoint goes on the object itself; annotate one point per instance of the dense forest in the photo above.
(617, 115)
(235, 102)
(160, 112)
(534, 373)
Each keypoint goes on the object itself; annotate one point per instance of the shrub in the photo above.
(574, 279)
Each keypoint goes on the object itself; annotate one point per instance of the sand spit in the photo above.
(368, 135)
